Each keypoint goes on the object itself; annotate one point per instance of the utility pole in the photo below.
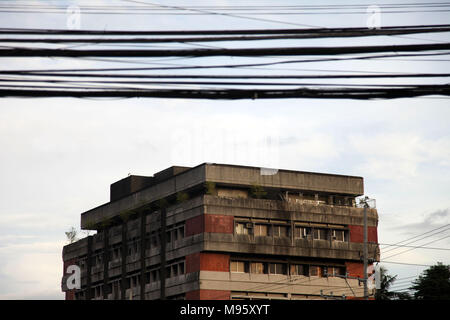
(366, 292)
(364, 202)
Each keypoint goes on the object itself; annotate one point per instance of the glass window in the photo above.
(338, 235)
(280, 231)
(320, 234)
(333, 271)
(277, 268)
(181, 268)
(257, 267)
(237, 266)
(302, 232)
(241, 228)
(314, 271)
(174, 270)
(261, 230)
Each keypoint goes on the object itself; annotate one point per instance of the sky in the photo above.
(59, 155)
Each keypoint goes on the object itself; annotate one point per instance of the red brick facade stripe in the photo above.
(204, 294)
(194, 225)
(218, 223)
(209, 223)
(355, 269)
(207, 262)
(357, 234)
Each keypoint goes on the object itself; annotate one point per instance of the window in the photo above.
(98, 291)
(180, 232)
(320, 234)
(277, 268)
(299, 270)
(333, 271)
(181, 268)
(261, 230)
(257, 267)
(338, 235)
(237, 266)
(154, 275)
(302, 232)
(314, 271)
(243, 227)
(155, 238)
(174, 270)
(280, 231)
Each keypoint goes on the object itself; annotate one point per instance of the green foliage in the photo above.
(125, 215)
(182, 196)
(210, 187)
(72, 235)
(433, 283)
(105, 223)
(386, 282)
(89, 225)
(257, 191)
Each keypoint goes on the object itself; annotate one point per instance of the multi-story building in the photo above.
(225, 232)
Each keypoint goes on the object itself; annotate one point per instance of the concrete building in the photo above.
(219, 231)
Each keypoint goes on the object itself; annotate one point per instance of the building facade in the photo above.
(219, 231)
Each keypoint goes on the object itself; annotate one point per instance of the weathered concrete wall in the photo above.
(295, 180)
(164, 189)
(272, 209)
(225, 174)
(273, 283)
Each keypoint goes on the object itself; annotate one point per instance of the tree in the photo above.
(386, 281)
(433, 283)
(72, 235)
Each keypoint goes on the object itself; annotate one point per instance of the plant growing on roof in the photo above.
(210, 187)
(182, 196)
(72, 235)
(257, 191)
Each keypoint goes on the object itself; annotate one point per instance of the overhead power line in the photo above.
(110, 81)
(415, 247)
(396, 254)
(235, 94)
(420, 236)
(242, 52)
(209, 32)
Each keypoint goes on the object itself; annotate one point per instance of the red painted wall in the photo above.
(209, 223)
(208, 295)
(207, 262)
(357, 234)
(218, 223)
(194, 225)
(355, 269)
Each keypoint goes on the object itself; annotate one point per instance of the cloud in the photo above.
(392, 156)
(31, 271)
(429, 221)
